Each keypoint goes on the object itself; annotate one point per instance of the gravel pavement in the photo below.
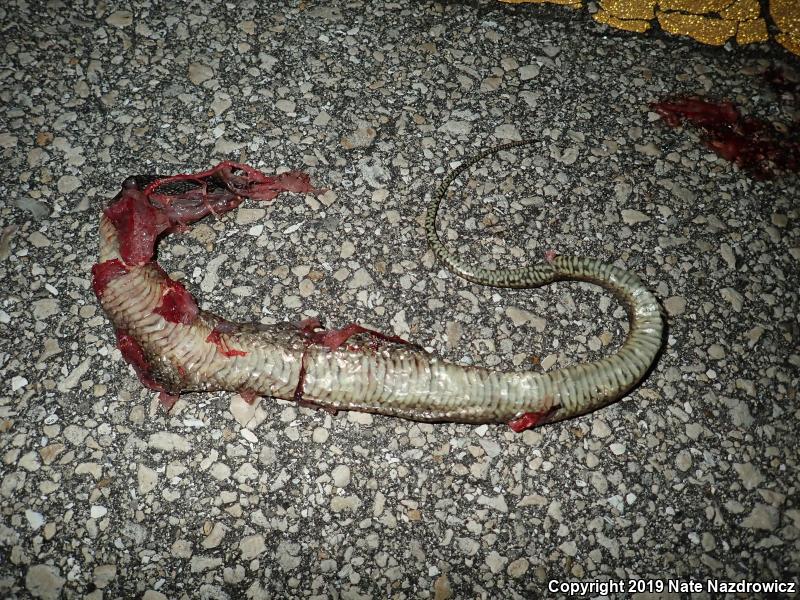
(691, 478)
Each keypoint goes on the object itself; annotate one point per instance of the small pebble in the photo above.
(98, 511)
(341, 476)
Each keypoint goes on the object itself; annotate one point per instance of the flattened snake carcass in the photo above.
(175, 347)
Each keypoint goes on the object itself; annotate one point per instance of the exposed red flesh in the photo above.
(105, 272)
(250, 183)
(528, 421)
(336, 338)
(138, 224)
(167, 400)
(141, 216)
(697, 111)
(755, 145)
(177, 304)
(249, 396)
(215, 337)
(134, 355)
(332, 339)
(301, 381)
(314, 333)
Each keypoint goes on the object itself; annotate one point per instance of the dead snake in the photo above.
(175, 347)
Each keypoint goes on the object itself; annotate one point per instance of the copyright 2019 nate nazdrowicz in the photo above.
(613, 587)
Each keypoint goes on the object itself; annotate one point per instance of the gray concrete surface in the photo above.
(693, 477)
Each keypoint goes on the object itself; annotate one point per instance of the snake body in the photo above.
(176, 348)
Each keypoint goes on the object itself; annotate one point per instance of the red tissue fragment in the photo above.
(134, 355)
(141, 216)
(528, 420)
(301, 381)
(177, 304)
(757, 146)
(333, 339)
(169, 204)
(249, 396)
(105, 272)
(138, 224)
(240, 180)
(167, 400)
(336, 338)
(215, 337)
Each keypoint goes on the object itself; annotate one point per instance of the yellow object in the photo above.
(608, 18)
(786, 16)
(790, 42)
(570, 3)
(708, 21)
(704, 29)
(694, 7)
(742, 10)
(752, 31)
(630, 9)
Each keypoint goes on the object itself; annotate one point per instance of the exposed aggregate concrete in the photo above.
(103, 495)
